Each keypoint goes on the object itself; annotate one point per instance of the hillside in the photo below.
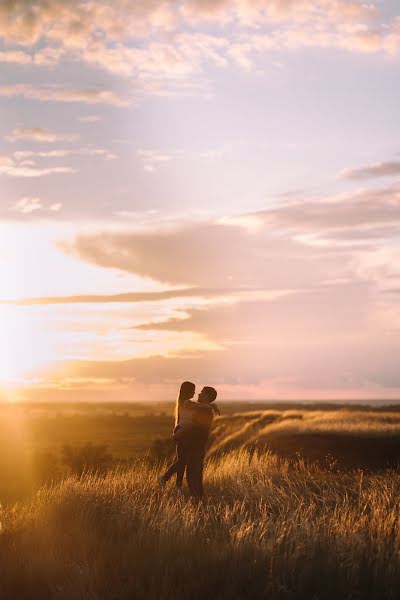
(343, 437)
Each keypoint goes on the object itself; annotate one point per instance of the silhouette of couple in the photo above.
(193, 422)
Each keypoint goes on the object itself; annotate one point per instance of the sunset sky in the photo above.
(204, 190)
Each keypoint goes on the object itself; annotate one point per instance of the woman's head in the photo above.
(186, 391)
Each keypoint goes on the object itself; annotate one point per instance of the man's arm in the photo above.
(202, 413)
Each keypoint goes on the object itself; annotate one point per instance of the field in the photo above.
(301, 503)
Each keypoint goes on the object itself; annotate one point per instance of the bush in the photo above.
(86, 458)
(162, 449)
(46, 468)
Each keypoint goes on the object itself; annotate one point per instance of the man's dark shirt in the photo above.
(202, 420)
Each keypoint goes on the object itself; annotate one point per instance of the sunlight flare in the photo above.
(25, 344)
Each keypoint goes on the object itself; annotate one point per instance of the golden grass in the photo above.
(336, 422)
(267, 529)
(247, 429)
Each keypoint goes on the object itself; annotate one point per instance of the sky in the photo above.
(204, 190)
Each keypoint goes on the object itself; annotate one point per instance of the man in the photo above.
(203, 415)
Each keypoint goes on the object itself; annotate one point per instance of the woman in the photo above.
(183, 423)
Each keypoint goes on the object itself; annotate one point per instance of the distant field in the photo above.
(32, 439)
(128, 430)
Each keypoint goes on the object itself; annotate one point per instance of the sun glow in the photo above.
(25, 344)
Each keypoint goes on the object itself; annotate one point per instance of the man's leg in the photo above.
(181, 452)
(199, 474)
(194, 472)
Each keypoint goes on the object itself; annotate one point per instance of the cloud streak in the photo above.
(128, 297)
(56, 93)
(92, 151)
(364, 208)
(39, 134)
(380, 169)
(22, 169)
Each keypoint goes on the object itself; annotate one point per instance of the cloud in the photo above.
(46, 57)
(141, 370)
(56, 93)
(392, 39)
(367, 360)
(39, 134)
(15, 56)
(323, 322)
(212, 254)
(363, 208)
(77, 23)
(381, 169)
(27, 205)
(250, 12)
(165, 46)
(367, 233)
(381, 265)
(317, 339)
(296, 246)
(217, 152)
(130, 297)
(152, 158)
(28, 169)
(177, 63)
(61, 153)
(314, 313)
(90, 118)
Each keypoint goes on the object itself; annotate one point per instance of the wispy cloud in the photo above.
(152, 158)
(365, 207)
(380, 169)
(28, 205)
(9, 167)
(129, 297)
(56, 93)
(39, 134)
(63, 152)
(15, 56)
(90, 118)
(46, 57)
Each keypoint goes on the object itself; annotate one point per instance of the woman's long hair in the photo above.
(186, 391)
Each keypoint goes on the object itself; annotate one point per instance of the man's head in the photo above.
(207, 395)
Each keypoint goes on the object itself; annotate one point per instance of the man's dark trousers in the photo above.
(194, 468)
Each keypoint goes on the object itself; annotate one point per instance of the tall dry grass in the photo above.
(267, 529)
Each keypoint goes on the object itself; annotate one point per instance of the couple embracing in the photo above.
(193, 422)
